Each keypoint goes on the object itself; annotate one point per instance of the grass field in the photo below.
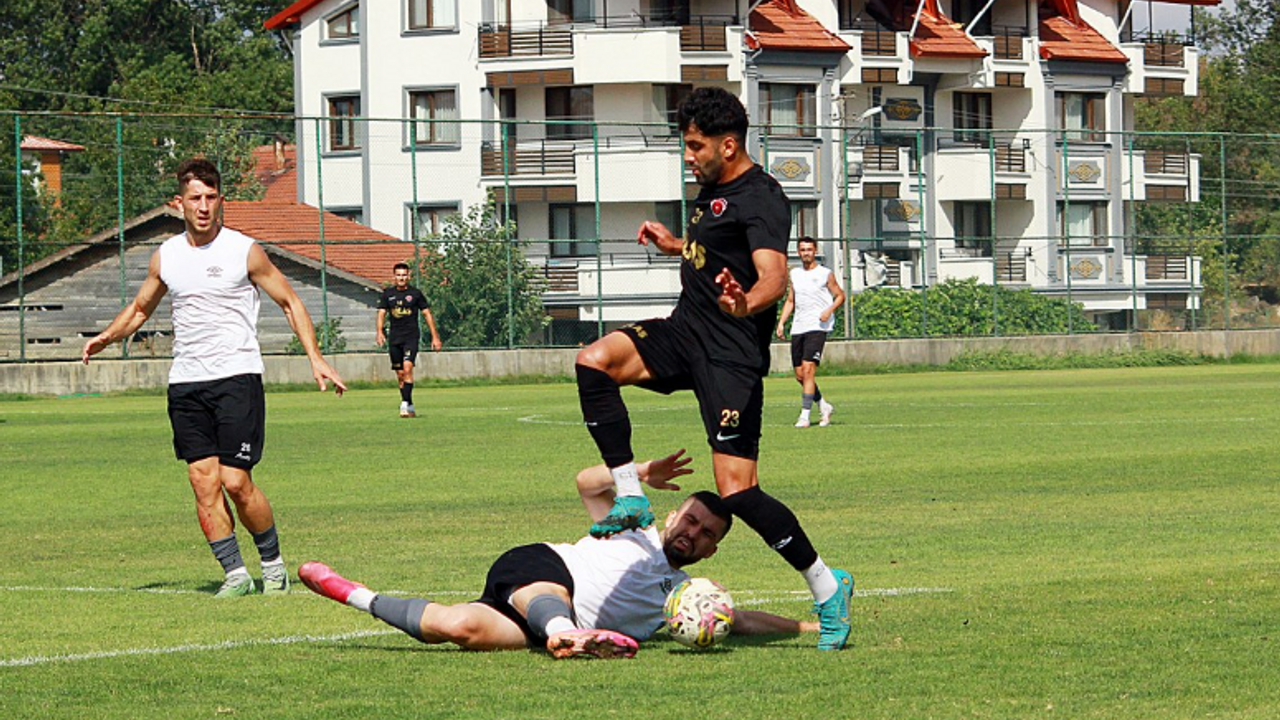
(1072, 544)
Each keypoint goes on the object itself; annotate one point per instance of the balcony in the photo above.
(1161, 64)
(1162, 174)
(695, 33)
(964, 171)
(537, 158)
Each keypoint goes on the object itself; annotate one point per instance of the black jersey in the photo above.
(402, 307)
(726, 224)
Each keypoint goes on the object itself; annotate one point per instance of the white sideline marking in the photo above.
(225, 645)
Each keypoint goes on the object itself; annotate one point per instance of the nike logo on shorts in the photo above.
(721, 437)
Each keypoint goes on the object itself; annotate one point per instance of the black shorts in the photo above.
(403, 351)
(807, 347)
(730, 397)
(222, 418)
(516, 568)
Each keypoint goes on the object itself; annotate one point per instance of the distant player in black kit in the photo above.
(402, 302)
(716, 343)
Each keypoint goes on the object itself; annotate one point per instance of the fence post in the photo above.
(413, 214)
(845, 232)
(124, 345)
(595, 159)
(995, 256)
(1132, 215)
(924, 239)
(1066, 229)
(505, 127)
(324, 267)
(22, 270)
(1226, 256)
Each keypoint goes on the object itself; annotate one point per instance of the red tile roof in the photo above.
(32, 142)
(782, 25)
(290, 16)
(349, 246)
(278, 173)
(938, 36)
(1061, 39)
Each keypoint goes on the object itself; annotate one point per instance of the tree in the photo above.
(481, 289)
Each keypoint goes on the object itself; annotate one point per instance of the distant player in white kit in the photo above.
(216, 403)
(814, 295)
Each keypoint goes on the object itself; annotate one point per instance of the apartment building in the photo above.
(921, 140)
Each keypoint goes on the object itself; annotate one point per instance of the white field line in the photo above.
(539, 419)
(225, 645)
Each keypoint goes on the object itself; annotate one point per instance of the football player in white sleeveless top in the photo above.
(216, 404)
(596, 598)
(814, 295)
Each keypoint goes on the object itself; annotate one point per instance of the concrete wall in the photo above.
(109, 375)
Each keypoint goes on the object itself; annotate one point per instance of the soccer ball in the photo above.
(698, 613)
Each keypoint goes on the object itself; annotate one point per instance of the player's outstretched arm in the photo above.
(595, 484)
(133, 315)
(268, 277)
(756, 622)
(655, 233)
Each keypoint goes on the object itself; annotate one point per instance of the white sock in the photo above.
(626, 480)
(804, 414)
(241, 571)
(278, 562)
(822, 584)
(558, 625)
(361, 598)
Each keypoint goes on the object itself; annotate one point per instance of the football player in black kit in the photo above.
(402, 302)
(716, 343)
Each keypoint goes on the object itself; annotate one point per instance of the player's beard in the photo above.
(677, 557)
(708, 174)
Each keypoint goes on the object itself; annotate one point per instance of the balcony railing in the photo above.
(1167, 267)
(1008, 41)
(534, 158)
(698, 33)
(1012, 157)
(1011, 266)
(884, 158)
(1165, 162)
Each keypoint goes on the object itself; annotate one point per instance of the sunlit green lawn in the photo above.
(1089, 543)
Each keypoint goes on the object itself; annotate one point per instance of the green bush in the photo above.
(328, 336)
(964, 308)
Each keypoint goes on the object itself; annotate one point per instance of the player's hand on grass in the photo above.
(324, 374)
(655, 233)
(733, 299)
(661, 471)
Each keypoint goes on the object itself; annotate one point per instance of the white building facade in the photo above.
(918, 140)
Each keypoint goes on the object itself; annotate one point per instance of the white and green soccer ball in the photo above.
(698, 613)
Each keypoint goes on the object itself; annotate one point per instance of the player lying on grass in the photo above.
(594, 598)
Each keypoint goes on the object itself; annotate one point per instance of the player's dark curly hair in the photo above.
(198, 169)
(715, 111)
(712, 502)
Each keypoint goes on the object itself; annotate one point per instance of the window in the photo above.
(1082, 224)
(343, 111)
(434, 105)
(563, 12)
(667, 99)
(571, 224)
(1082, 116)
(847, 13)
(971, 112)
(669, 214)
(570, 103)
(789, 109)
(804, 218)
(430, 218)
(973, 227)
(345, 25)
(353, 214)
(432, 14)
(964, 11)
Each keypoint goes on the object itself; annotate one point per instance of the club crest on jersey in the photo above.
(718, 206)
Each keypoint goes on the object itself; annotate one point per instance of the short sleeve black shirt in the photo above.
(726, 224)
(402, 307)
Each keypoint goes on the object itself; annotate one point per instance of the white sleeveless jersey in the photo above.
(812, 297)
(620, 582)
(215, 307)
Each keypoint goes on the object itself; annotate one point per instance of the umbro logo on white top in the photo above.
(213, 271)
